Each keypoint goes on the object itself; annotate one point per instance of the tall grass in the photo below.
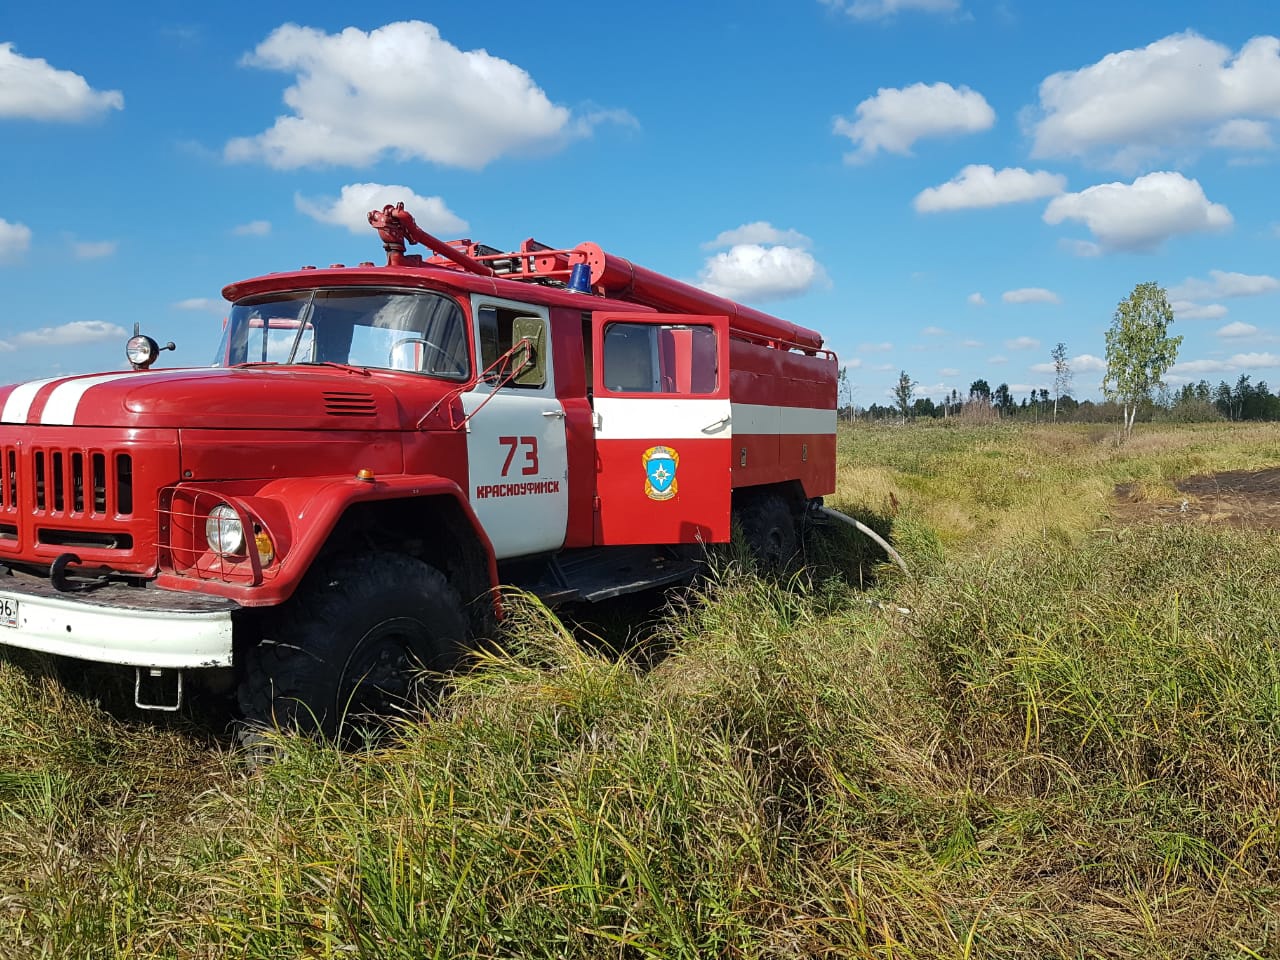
(1069, 747)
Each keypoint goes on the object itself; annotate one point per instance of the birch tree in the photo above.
(1061, 376)
(1139, 349)
(902, 393)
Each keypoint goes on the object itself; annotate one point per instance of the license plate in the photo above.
(8, 612)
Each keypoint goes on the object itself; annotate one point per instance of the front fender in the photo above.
(300, 515)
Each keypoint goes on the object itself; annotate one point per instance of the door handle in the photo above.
(557, 414)
(713, 427)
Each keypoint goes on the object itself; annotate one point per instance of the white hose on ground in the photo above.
(863, 528)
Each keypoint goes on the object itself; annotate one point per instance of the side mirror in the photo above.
(531, 361)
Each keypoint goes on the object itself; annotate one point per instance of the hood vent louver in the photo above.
(340, 403)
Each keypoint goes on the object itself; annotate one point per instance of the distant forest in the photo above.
(1193, 402)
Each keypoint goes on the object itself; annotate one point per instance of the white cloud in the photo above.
(884, 366)
(997, 360)
(874, 347)
(1080, 248)
(977, 300)
(1251, 161)
(852, 364)
(1222, 284)
(759, 232)
(1138, 103)
(879, 9)
(934, 332)
(405, 91)
(948, 372)
(1238, 362)
(94, 250)
(1022, 343)
(1030, 295)
(749, 271)
(894, 119)
(1235, 330)
(31, 89)
(1186, 310)
(15, 240)
(201, 303)
(351, 209)
(971, 344)
(1243, 135)
(1140, 216)
(980, 185)
(254, 228)
(69, 334)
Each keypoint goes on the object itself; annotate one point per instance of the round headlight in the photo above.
(141, 350)
(224, 531)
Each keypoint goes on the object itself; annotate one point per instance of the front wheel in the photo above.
(352, 644)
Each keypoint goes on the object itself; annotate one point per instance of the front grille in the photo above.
(8, 478)
(84, 539)
(87, 491)
(92, 483)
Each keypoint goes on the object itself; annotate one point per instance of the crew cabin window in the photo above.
(679, 359)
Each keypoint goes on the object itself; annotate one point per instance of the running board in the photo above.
(592, 575)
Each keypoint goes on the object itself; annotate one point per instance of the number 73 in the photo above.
(530, 454)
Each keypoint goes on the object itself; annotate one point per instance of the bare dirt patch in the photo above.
(1248, 499)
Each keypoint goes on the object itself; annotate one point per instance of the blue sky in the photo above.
(946, 187)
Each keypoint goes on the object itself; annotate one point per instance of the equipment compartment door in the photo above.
(663, 428)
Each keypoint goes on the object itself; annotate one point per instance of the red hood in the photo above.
(258, 397)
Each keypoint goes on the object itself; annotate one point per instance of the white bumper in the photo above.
(118, 624)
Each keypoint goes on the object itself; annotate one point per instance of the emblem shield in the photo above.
(660, 465)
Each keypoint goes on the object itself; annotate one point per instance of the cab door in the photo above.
(663, 428)
(517, 461)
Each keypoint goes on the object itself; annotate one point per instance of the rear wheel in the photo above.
(769, 531)
(352, 645)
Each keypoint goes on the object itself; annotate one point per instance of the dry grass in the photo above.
(1070, 748)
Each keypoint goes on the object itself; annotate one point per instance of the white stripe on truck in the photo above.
(65, 399)
(18, 406)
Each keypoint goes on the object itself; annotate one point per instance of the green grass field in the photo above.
(1068, 747)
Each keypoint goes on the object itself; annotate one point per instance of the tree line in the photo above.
(1140, 350)
(1191, 403)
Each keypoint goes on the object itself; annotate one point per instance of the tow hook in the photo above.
(65, 583)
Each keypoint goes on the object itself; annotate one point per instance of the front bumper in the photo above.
(120, 624)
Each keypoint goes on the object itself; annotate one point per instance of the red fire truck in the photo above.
(332, 504)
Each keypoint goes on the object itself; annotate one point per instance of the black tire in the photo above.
(351, 645)
(769, 531)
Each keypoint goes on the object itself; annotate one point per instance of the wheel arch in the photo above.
(439, 529)
(792, 491)
(428, 518)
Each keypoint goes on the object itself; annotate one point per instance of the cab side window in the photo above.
(495, 337)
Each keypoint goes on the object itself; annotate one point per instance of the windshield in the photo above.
(392, 330)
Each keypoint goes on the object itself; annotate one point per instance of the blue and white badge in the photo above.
(660, 464)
